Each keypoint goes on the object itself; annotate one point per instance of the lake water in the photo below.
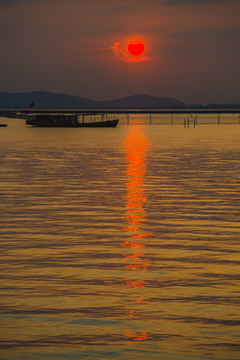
(120, 243)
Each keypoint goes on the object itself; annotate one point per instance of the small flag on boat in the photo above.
(32, 104)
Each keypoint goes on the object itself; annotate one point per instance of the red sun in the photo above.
(136, 47)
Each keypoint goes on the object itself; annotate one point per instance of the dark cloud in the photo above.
(182, 2)
(9, 2)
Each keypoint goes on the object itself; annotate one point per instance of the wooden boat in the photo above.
(63, 120)
(3, 125)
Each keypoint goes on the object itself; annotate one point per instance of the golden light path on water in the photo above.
(136, 149)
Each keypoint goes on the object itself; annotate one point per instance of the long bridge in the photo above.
(192, 115)
(15, 113)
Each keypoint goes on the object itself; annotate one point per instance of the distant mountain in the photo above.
(43, 100)
(141, 102)
(224, 106)
(47, 100)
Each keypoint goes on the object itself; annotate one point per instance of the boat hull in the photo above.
(107, 123)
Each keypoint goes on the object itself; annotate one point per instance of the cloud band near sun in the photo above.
(119, 52)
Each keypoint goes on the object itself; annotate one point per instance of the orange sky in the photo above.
(191, 48)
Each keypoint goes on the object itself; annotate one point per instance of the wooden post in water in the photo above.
(194, 122)
(128, 119)
(150, 119)
(196, 119)
(188, 121)
(218, 119)
(172, 118)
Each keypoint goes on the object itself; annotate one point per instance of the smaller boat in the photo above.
(3, 125)
(67, 120)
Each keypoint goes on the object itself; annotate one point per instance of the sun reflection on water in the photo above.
(136, 147)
